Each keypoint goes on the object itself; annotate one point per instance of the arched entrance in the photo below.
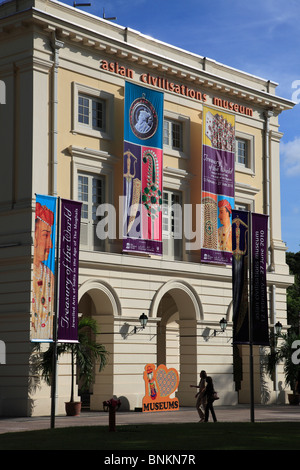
(179, 308)
(98, 300)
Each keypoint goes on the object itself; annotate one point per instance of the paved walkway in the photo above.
(183, 415)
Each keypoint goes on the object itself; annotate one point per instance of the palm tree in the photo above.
(84, 354)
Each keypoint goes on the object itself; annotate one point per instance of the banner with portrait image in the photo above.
(67, 325)
(217, 198)
(43, 283)
(142, 170)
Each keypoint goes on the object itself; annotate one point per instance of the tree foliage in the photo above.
(284, 347)
(293, 292)
(84, 353)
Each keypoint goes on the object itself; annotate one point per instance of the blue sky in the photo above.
(259, 37)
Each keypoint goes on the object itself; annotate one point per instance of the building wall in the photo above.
(184, 300)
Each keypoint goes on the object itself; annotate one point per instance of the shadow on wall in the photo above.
(281, 394)
(124, 331)
(124, 404)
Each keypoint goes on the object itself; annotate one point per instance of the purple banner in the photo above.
(218, 171)
(259, 279)
(68, 265)
(240, 278)
(217, 197)
(245, 269)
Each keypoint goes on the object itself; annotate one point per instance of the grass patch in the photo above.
(155, 437)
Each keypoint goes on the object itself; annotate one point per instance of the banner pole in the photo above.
(251, 323)
(55, 319)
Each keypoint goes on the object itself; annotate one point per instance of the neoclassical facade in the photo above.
(62, 134)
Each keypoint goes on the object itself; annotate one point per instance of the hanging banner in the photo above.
(240, 278)
(143, 168)
(42, 307)
(259, 279)
(67, 327)
(160, 383)
(218, 157)
(249, 242)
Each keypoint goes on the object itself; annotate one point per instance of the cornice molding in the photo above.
(98, 155)
(185, 66)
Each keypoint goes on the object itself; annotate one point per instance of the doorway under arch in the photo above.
(98, 300)
(178, 307)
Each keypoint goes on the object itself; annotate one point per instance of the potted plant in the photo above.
(284, 352)
(83, 354)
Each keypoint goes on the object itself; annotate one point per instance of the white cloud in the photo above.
(290, 153)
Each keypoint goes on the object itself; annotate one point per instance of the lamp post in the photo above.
(143, 321)
(278, 328)
(223, 324)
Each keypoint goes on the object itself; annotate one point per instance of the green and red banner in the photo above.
(143, 169)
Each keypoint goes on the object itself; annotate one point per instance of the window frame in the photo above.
(246, 152)
(245, 205)
(98, 163)
(171, 125)
(90, 110)
(184, 122)
(171, 237)
(90, 221)
(97, 95)
(178, 181)
(245, 196)
(249, 139)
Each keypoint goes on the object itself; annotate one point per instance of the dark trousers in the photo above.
(210, 408)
